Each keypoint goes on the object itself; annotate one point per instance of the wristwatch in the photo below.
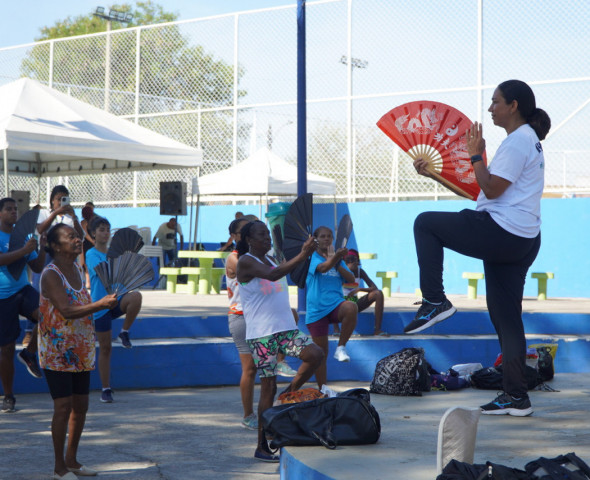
(476, 158)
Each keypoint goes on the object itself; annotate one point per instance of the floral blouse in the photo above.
(66, 345)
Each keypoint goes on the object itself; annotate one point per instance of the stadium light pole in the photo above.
(112, 16)
(301, 119)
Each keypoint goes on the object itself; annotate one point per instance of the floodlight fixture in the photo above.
(113, 15)
(355, 62)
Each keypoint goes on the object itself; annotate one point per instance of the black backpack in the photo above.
(456, 470)
(405, 373)
(490, 378)
(563, 467)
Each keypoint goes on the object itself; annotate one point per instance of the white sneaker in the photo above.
(341, 355)
(284, 370)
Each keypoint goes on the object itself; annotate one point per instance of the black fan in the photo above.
(124, 240)
(23, 230)
(124, 273)
(297, 229)
(344, 231)
(277, 242)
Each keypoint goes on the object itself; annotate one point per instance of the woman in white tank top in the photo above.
(270, 327)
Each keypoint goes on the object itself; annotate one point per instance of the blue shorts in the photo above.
(24, 302)
(105, 323)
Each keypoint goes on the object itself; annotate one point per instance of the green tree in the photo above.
(174, 75)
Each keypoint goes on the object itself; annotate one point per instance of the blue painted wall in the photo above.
(387, 229)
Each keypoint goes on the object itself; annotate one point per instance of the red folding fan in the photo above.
(435, 132)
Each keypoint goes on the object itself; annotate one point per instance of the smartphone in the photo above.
(65, 200)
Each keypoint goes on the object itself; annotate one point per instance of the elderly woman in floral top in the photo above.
(66, 345)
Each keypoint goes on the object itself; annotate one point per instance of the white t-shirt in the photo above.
(44, 215)
(519, 160)
(166, 236)
(266, 306)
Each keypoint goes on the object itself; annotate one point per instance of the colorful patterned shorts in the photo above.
(265, 349)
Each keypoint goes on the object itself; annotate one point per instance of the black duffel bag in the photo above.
(348, 419)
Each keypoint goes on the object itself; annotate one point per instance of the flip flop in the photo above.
(383, 334)
(67, 476)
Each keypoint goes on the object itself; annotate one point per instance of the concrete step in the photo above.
(208, 361)
(462, 323)
(198, 351)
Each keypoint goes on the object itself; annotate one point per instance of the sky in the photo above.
(21, 22)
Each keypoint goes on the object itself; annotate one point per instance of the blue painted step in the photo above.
(462, 323)
(190, 351)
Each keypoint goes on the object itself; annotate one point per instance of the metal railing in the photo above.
(227, 84)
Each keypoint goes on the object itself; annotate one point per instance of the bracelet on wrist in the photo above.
(476, 158)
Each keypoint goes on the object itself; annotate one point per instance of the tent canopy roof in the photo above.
(48, 133)
(263, 173)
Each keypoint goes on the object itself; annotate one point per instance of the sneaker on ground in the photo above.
(250, 422)
(29, 360)
(8, 404)
(124, 336)
(106, 396)
(284, 370)
(265, 455)
(428, 314)
(341, 355)
(505, 404)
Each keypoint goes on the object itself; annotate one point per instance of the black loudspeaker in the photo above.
(22, 199)
(172, 198)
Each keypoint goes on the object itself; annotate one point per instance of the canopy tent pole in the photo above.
(335, 215)
(190, 225)
(6, 172)
(196, 223)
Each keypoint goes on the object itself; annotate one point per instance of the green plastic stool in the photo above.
(386, 280)
(216, 276)
(171, 278)
(542, 277)
(192, 279)
(472, 278)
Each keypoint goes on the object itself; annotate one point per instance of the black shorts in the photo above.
(66, 384)
(24, 302)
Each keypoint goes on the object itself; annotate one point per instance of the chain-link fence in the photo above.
(228, 84)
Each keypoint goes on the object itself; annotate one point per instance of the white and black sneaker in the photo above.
(505, 404)
(428, 314)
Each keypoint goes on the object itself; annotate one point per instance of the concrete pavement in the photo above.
(194, 433)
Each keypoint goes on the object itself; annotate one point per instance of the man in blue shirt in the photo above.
(17, 297)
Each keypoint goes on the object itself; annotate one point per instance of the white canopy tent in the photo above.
(45, 133)
(263, 174)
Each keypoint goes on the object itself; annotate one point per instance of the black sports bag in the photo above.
(348, 419)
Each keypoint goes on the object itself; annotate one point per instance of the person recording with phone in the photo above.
(60, 212)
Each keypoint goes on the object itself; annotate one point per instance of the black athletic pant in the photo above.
(506, 259)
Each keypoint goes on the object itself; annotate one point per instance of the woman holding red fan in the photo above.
(503, 231)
